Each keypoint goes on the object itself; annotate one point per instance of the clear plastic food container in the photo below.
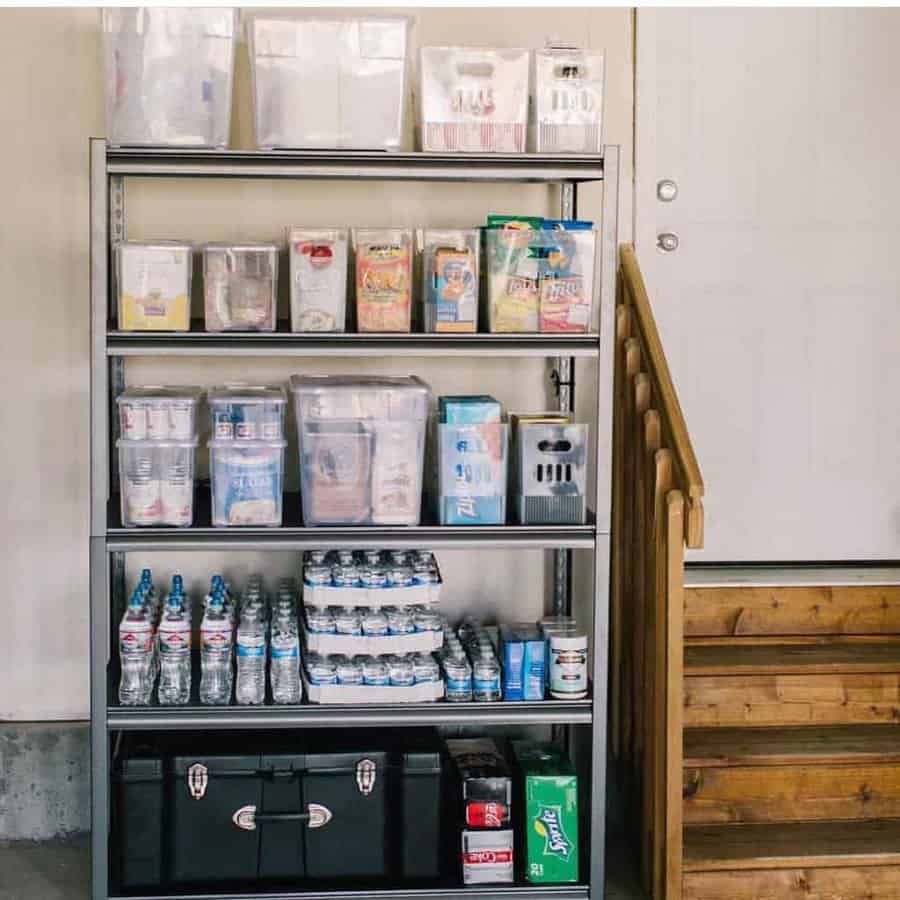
(319, 262)
(156, 480)
(474, 99)
(247, 482)
(566, 280)
(512, 261)
(153, 412)
(568, 107)
(246, 412)
(450, 278)
(168, 75)
(329, 83)
(240, 284)
(383, 267)
(472, 466)
(154, 285)
(361, 446)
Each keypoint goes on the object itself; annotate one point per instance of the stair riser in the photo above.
(743, 794)
(757, 700)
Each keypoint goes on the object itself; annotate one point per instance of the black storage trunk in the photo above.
(138, 818)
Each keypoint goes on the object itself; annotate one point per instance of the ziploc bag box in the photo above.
(524, 658)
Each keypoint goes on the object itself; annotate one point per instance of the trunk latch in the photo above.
(198, 780)
(365, 776)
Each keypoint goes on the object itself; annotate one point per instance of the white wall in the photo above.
(52, 103)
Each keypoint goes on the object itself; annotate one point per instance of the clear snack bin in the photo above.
(472, 466)
(153, 412)
(246, 412)
(329, 83)
(450, 278)
(247, 481)
(156, 482)
(319, 262)
(512, 260)
(567, 277)
(383, 270)
(240, 283)
(168, 75)
(154, 285)
(568, 107)
(474, 99)
(361, 444)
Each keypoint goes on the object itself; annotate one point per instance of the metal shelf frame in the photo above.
(109, 169)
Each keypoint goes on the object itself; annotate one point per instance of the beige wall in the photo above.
(49, 63)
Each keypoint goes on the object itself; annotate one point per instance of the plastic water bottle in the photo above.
(136, 653)
(216, 644)
(285, 654)
(175, 651)
(251, 656)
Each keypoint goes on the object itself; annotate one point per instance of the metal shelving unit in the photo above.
(110, 541)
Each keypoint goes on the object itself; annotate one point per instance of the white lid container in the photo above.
(156, 482)
(154, 285)
(474, 99)
(168, 74)
(329, 83)
(246, 411)
(319, 263)
(156, 412)
(240, 284)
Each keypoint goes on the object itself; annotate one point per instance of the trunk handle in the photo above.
(316, 816)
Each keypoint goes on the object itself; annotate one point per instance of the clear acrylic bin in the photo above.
(472, 472)
(153, 412)
(246, 412)
(567, 279)
(168, 75)
(450, 278)
(319, 265)
(474, 99)
(383, 267)
(156, 482)
(329, 83)
(240, 284)
(568, 107)
(361, 444)
(247, 480)
(512, 263)
(154, 285)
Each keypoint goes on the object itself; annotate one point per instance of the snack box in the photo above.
(154, 285)
(240, 283)
(155, 412)
(383, 279)
(450, 279)
(246, 412)
(319, 261)
(566, 276)
(483, 782)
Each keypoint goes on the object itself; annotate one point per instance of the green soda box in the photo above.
(547, 812)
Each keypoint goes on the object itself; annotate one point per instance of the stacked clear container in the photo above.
(330, 84)
(246, 454)
(157, 446)
(361, 443)
(168, 75)
(240, 283)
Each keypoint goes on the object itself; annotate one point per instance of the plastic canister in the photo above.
(568, 665)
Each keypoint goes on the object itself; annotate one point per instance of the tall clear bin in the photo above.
(319, 265)
(240, 284)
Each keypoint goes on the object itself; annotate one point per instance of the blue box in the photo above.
(524, 658)
(475, 409)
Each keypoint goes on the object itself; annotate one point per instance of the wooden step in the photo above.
(858, 883)
(750, 610)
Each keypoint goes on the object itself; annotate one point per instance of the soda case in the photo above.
(383, 265)
(208, 809)
(329, 83)
(240, 283)
(361, 443)
(154, 285)
(154, 412)
(449, 258)
(546, 812)
(567, 115)
(474, 99)
(156, 482)
(319, 262)
(168, 75)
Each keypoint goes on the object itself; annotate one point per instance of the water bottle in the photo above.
(136, 653)
(285, 653)
(175, 652)
(216, 643)
(251, 656)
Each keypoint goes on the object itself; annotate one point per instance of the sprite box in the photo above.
(547, 812)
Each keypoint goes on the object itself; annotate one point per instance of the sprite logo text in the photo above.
(547, 825)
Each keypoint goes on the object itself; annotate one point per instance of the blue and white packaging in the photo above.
(472, 461)
(524, 657)
(247, 480)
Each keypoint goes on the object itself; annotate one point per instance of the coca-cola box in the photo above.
(484, 785)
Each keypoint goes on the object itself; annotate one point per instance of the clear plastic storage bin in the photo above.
(319, 265)
(472, 466)
(474, 99)
(168, 75)
(158, 413)
(383, 266)
(154, 285)
(156, 480)
(326, 83)
(567, 277)
(450, 278)
(247, 481)
(361, 444)
(512, 261)
(568, 107)
(246, 412)
(240, 284)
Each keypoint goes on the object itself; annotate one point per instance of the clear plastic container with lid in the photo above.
(154, 412)
(245, 412)
(156, 482)
(329, 83)
(154, 285)
(361, 445)
(240, 283)
(247, 481)
(384, 275)
(168, 75)
(319, 260)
